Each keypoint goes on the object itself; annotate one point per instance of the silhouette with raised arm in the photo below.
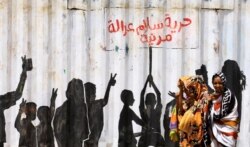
(126, 133)
(45, 114)
(95, 111)
(236, 80)
(70, 121)
(9, 99)
(151, 116)
(23, 124)
(203, 72)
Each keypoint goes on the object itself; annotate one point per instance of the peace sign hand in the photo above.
(24, 66)
(54, 94)
(112, 80)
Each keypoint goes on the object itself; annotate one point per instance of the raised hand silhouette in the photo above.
(45, 136)
(112, 80)
(9, 99)
(95, 110)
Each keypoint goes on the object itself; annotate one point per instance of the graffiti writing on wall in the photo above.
(147, 31)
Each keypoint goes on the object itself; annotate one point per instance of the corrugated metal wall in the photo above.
(72, 39)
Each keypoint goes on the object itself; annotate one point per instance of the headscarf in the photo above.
(228, 98)
(222, 77)
(196, 82)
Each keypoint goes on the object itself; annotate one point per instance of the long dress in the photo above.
(224, 119)
(187, 125)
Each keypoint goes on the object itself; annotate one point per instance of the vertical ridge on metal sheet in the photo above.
(57, 50)
(211, 43)
(245, 60)
(76, 44)
(3, 44)
(17, 49)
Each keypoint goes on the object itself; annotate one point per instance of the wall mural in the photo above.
(201, 112)
(195, 109)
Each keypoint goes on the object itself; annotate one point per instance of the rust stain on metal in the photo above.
(124, 5)
(2, 5)
(27, 7)
(1, 66)
(216, 47)
(46, 8)
(103, 47)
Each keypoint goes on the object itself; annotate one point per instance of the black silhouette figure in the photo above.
(95, 111)
(236, 80)
(24, 125)
(126, 133)
(9, 99)
(45, 114)
(151, 116)
(203, 72)
(166, 121)
(70, 121)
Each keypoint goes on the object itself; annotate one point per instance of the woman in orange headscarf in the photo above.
(189, 115)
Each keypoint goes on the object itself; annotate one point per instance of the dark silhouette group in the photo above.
(80, 119)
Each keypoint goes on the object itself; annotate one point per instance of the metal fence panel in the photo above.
(74, 39)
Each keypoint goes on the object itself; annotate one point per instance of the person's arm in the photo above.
(52, 102)
(18, 118)
(18, 121)
(9, 99)
(20, 87)
(180, 98)
(172, 94)
(158, 93)
(112, 82)
(137, 119)
(166, 118)
(142, 105)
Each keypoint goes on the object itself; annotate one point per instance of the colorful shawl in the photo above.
(188, 127)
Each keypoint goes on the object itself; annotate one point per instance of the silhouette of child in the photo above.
(45, 114)
(151, 115)
(24, 125)
(95, 111)
(126, 133)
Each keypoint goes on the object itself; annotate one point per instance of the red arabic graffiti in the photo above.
(146, 26)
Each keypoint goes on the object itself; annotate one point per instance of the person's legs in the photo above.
(161, 141)
(141, 142)
(1, 144)
(90, 144)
